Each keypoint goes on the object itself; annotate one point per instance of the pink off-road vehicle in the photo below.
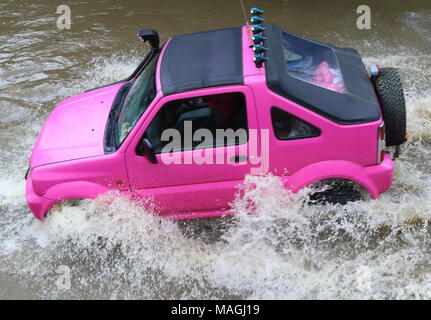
(303, 110)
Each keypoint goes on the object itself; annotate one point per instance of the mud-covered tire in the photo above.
(391, 96)
(337, 191)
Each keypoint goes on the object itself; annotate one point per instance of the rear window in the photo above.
(312, 62)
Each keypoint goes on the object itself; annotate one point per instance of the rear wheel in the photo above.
(334, 191)
(391, 95)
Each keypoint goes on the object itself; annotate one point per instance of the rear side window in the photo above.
(288, 127)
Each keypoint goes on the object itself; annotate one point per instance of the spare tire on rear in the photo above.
(391, 95)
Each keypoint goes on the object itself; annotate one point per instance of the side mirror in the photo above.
(146, 149)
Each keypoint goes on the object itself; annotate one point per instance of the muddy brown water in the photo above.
(375, 249)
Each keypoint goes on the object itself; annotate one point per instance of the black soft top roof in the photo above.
(200, 60)
(358, 104)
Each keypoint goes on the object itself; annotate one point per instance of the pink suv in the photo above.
(299, 109)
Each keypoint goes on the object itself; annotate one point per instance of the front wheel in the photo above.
(74, 202)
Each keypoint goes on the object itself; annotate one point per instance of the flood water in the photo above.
(374, 249)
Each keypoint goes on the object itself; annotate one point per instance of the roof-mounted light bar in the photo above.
(258, 38)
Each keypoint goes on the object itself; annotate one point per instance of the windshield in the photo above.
(312, 62)
(139, 97)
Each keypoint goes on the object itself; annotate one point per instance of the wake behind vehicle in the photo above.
(206, 109)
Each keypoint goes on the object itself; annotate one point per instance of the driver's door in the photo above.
(192, 184)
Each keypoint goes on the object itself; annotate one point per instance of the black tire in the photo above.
(337, 191)
(391, 95)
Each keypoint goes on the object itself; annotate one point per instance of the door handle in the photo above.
(238, 159)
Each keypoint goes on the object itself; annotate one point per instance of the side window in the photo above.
(288, 127)
(188, 116)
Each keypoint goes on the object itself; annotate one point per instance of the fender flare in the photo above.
(74, 189)
(333, 169)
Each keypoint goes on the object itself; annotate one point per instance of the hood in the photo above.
(75, 128)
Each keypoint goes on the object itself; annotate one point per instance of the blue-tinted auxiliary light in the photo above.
(257, 28)
(257, 19)
(258, 38)
(259, 59)
(258, 48)
(256, 11)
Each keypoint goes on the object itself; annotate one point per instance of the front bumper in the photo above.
(39, 205)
